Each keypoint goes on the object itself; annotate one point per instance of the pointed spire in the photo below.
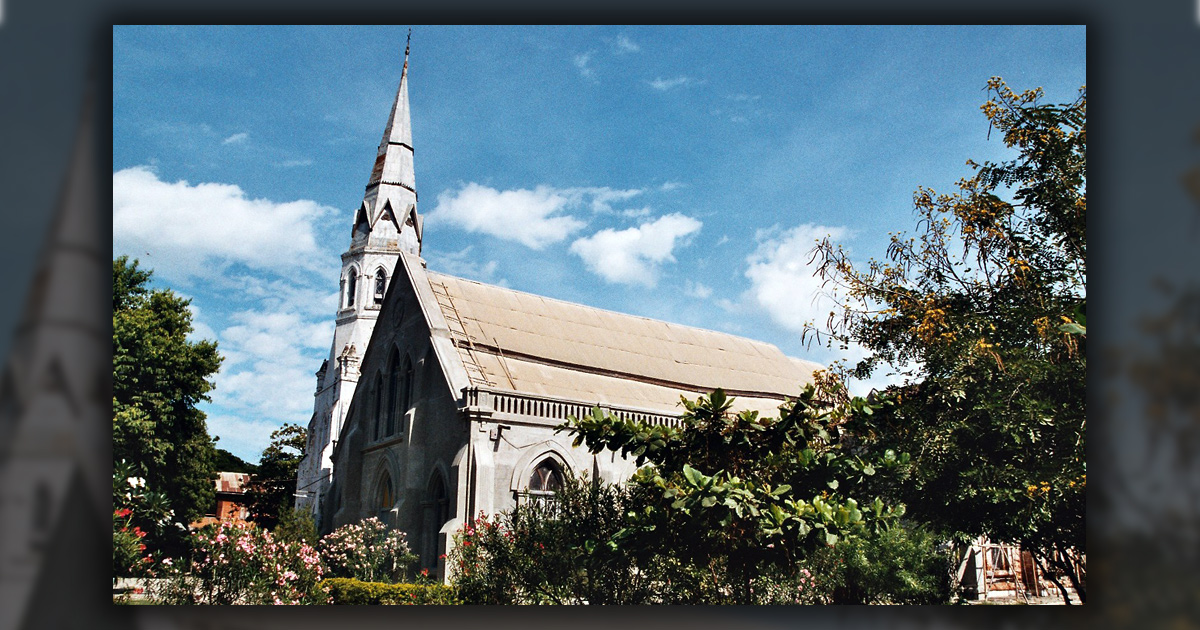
(394, 161)
(393, 181)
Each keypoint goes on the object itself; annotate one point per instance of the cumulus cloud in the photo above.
(199, 230)
(784, 285)
(267, 375)
(633, 256)
(783, 282)
(535, 218)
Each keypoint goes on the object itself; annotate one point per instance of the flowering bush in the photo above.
(368, 551)
(140, 517)
(235, 563)
(127, 544)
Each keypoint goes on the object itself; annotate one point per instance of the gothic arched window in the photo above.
(351, 286)
(393, 390)
(380, 285)
(378, 410)
(406, 391)
(435, 511)
(546, 478)
(385, 498)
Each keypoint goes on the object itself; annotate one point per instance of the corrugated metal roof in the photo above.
(556, 348)
(232, 482)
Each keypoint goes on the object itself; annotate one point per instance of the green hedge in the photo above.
(348, 591)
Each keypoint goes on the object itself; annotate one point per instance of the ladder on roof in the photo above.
(458, 333)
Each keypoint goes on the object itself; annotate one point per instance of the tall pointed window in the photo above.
(406, 391)
(380, 285)
(385, 498)
(435, 511)
(378, 406)
(393, 390)
(351, 286)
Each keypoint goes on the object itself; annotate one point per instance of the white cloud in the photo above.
(784, 285)
(632, 256)
(697, 290)
(269, 365)
(199, 230)
(531, 217)
(602, 198)
(783, 281)
(664, 85)
(200, 330)
(466, 265)
(624, 45)
(294, 163)
(236, 138)
(583, 62)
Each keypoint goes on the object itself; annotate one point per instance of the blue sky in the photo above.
(680, 173)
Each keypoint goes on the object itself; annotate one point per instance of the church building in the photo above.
(440, 396)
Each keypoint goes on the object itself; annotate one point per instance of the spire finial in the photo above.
(407, 42)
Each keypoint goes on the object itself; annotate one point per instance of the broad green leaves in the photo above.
(746, 491)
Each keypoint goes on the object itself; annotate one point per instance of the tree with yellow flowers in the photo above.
(984, 307)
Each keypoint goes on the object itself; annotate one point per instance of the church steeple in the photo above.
(386, 224)
(391, 194)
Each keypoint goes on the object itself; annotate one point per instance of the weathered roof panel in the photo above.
(556, 348)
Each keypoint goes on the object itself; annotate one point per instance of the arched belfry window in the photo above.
(380, 285)
(546, 478)
(351, 286)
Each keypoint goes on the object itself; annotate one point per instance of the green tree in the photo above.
(274, 489)
(985, 308)
(228, 462)
(296, 525)
(158, 379)
(739, 496)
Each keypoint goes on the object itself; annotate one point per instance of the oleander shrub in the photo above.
(239, 563)
(367, 550)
